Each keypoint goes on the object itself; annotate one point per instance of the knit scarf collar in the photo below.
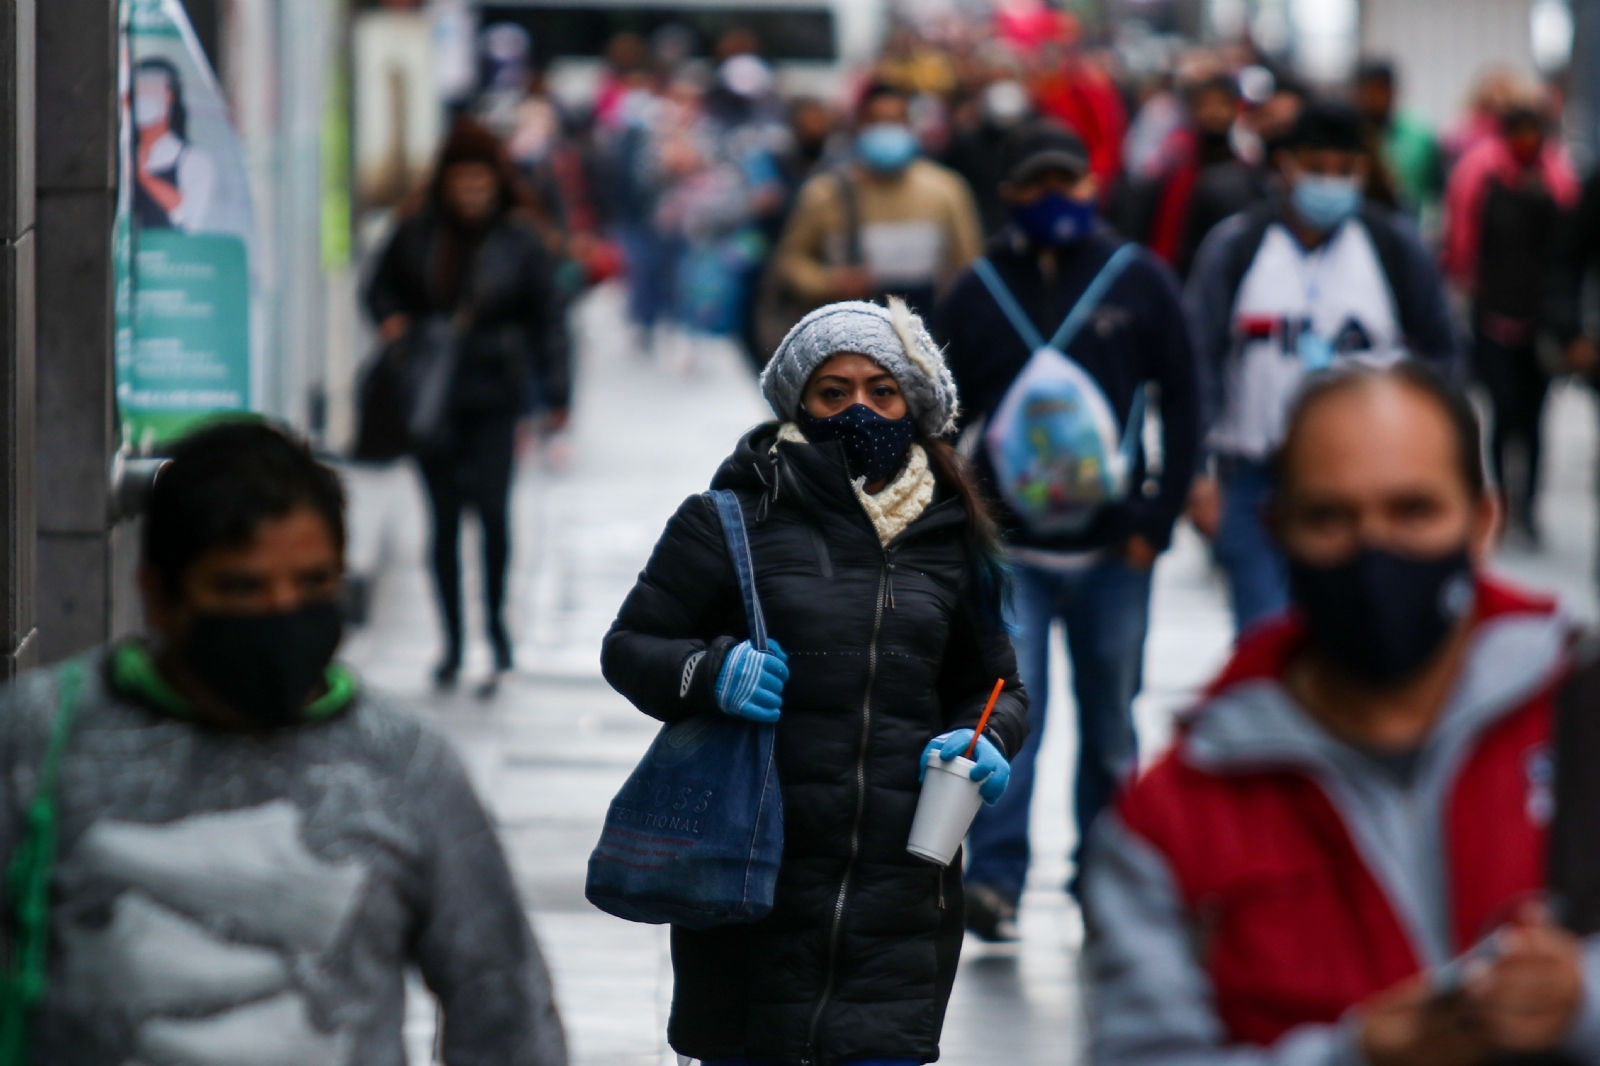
(899, 503)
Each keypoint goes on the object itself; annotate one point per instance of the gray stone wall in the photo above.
(77, 182)
(18, 241)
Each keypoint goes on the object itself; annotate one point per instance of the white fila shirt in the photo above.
(1298, 311)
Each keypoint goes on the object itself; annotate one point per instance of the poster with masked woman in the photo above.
(184, 235)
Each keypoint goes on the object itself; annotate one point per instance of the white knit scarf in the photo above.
(897, 504)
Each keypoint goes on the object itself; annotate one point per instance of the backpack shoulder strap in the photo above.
(1093, 294)
(1133, 431)
(1391, 257)
(1243, 251)
(1008, 303)
(733, 532)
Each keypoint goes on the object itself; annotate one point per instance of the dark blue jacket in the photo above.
(1138, 334)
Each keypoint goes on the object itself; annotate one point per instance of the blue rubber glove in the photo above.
(751, 683)
(992, 768)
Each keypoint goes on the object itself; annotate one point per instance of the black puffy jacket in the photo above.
(518, 336)
(886, 650)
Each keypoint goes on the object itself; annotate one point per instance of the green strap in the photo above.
(343, 687)
(28, 882)
(134, 673)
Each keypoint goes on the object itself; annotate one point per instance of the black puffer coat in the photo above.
(886, 650)
(516, 351)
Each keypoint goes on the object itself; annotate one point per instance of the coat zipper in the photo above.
(855, 828)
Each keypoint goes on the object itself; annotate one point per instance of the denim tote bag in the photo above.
(695, 836)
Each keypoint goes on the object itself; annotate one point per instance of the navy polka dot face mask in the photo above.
(874, 446)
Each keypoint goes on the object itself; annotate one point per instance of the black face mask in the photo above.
(1379, 615)
(265, 666)
(874, 446)
(1215, 145)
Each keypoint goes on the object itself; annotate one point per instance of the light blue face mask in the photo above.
(1324, 201)
(887, 147)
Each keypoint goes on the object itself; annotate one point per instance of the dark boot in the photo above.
(500, 641)
(990, 915)
(449, 668)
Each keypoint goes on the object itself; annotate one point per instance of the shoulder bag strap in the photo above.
(28, 881)
(852, 219)
(1119, 261)
(733, 532)
(1007, 303)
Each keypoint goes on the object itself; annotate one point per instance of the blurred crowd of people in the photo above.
(732, 208)
(982, 166)
(1018, 307)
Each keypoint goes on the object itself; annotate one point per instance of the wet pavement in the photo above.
(550, 749)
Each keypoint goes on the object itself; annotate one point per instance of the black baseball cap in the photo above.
(1039, 145)
(1328, 125)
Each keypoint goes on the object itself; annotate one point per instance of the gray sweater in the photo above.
(224, 898)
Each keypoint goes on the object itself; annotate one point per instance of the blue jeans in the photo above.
(1106, 610)
(1258, 576)
(652, 262)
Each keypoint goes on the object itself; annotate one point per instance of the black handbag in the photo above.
(695, 836)
(404, 393)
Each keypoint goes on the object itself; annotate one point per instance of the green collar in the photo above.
(134, 673)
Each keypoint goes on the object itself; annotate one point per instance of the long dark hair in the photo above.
(469, 141)
(981, 534)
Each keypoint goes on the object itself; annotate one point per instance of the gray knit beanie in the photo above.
(892, 337)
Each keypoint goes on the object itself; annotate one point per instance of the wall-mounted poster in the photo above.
(184, 234)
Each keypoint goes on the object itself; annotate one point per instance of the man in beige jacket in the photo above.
(889, 223)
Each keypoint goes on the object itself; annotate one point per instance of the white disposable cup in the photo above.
(945, 810)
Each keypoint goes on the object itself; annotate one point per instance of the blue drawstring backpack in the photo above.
(1057, 453)
(695, 836)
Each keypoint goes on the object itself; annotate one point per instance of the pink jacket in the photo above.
(1488, 161)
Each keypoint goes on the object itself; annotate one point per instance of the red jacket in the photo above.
(1083, 97)
(1263, 827)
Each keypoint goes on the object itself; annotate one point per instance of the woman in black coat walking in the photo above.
(877, 569)
(469, 259)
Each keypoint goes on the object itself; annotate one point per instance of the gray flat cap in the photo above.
(892, 337)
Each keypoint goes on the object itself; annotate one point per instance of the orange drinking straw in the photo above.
(999, 684)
